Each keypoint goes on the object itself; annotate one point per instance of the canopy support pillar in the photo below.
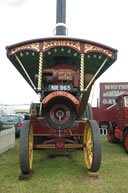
(40, 71)
(82, 73)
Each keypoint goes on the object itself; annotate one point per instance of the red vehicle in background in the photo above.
(113, 111)
(118, 121)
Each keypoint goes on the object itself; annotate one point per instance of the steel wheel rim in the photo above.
(88, 146)
(30, 147)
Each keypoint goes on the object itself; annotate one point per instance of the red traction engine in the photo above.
(62, 71)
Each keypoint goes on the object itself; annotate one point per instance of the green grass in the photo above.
(66, 173)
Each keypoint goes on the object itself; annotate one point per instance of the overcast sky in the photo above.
(103, 21)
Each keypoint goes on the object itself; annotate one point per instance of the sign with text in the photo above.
(109, 91)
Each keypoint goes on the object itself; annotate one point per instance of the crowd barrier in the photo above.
(7, 139)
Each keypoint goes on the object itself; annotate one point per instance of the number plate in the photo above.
(59, 87)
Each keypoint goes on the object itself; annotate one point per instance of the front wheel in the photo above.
(92, 146)
(26, 147)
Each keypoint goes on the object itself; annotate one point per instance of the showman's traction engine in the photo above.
(62, 70)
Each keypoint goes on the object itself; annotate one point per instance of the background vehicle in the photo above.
(4, 123)
(8, 121)
(112, 113)
(118, 121)
(108, 93)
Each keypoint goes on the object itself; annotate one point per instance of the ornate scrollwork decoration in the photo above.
(33, 46)
(93, 48)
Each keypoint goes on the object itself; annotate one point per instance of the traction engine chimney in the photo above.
(61, 17)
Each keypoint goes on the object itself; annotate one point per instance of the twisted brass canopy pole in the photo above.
(82, 73)
(40, 71)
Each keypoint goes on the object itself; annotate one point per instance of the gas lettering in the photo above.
(109, 101)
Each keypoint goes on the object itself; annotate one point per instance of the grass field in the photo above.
(66, 173)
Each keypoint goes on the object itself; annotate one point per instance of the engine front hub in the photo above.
(60, 114)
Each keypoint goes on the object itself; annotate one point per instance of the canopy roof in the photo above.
(25, 56)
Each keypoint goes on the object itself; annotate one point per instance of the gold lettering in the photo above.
(49, 44)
